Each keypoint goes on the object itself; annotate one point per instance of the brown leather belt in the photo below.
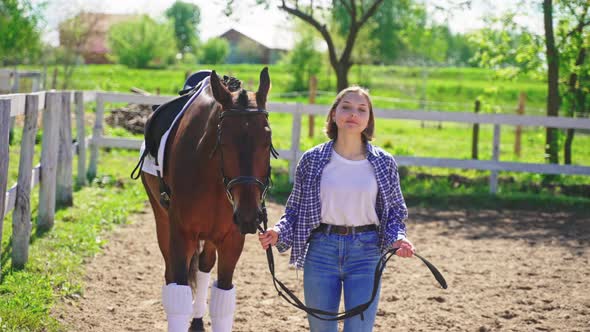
(344, 230)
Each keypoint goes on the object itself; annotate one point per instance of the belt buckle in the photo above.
(346, 231)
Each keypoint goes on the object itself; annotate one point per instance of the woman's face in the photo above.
(352, 114)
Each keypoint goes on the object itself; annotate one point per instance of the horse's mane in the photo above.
(233, 85)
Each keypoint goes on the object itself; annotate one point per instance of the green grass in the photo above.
(452, 89)
(56, 257)
(458, 86)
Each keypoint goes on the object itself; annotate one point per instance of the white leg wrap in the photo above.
(177, 301)
(200, 301)
(221, 308)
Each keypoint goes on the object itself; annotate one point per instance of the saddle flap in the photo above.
(161, 120)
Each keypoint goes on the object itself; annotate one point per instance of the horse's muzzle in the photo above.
(248, 221)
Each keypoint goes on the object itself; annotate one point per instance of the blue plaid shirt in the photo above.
(303, 209)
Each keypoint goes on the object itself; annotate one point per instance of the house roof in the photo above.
(276, 40)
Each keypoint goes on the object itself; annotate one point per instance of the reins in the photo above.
(288, 295)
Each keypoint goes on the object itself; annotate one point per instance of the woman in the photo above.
(346, 208)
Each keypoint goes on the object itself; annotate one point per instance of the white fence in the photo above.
(298, 110)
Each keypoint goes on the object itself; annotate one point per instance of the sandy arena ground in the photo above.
(506, 270)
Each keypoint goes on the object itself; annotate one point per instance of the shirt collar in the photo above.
(326, 151)
(371, 151)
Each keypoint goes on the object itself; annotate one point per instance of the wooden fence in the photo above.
(54, 173)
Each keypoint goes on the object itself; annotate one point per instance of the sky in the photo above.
(272, 27)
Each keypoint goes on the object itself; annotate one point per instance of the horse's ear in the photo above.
(220, 92)
(263, 88)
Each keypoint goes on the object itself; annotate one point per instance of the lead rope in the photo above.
(358, 310)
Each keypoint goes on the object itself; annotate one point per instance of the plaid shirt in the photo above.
(303, 209)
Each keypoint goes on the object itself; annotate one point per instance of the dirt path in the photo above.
(507, 271)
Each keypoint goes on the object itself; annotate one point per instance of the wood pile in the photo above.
(131, 117)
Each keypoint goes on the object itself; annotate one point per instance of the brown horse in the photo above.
(217, 168)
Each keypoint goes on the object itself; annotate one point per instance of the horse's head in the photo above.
(244, 147)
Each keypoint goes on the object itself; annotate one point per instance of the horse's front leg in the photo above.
(223, 293)
(177, 294)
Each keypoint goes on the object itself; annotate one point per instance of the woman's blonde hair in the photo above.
(331, 129)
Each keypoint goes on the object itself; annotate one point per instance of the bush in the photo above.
(303, 62)
(142, 43)
(214, 51)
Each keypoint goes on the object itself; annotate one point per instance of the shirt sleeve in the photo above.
(398, 212)
(285, 226)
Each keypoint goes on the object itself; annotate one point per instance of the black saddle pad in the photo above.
(161, 120)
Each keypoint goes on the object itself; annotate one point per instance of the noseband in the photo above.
(229, 183)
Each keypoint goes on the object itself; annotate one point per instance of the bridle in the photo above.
(228, 183)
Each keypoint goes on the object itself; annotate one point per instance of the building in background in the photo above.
(245, 49)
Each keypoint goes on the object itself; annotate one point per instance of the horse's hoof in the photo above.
(197, 325)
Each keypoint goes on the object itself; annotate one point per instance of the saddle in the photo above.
(164, 115)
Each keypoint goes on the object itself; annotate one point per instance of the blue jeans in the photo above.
(335, 262)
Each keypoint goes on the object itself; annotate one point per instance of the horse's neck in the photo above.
(205, 164)
(209, 138)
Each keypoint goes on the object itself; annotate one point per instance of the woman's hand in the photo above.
(405, 248)
(268, 238)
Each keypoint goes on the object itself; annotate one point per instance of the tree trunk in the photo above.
(577, 104)
(551, 148)
(567, 149)
(342, 76)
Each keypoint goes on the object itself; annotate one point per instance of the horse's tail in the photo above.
(194, 267)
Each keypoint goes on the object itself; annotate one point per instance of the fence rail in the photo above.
(55, 169)
(298, 110)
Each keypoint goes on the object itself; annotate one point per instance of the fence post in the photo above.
(96, 136)
(495, 157)
(21, 217)
(475, 135)
(81, 138)
(64, 193)
(4, 133)
(295, 138)
(518, 132)
(313, 83)
(49, 148)
(54, 79)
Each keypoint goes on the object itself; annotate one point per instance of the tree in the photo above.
(559, 54)
(214, 51)
(142, 43)
(303, 61)
(357, 12)
(73, 36)
(552, 54)
(573, 31)
(391, 19)
(510, 49)
(19, 31)
(186, 18)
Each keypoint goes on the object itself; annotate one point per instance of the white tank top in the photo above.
(348, 192)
